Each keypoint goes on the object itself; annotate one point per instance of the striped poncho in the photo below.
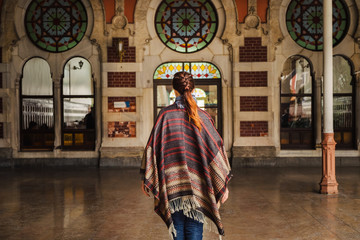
(186, 169)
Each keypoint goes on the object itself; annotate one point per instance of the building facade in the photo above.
(81, 81)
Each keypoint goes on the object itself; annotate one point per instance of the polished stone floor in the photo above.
(107, 204)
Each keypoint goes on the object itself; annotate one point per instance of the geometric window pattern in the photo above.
(186, 26)
(56, 25)
(199, 70)
(304, 22)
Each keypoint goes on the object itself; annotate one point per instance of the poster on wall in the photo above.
(121, 129)
(121, 104)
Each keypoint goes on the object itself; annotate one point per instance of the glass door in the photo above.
(37, 107)
(343, 107)
(296, 105)
(78, 115)
(207, 88)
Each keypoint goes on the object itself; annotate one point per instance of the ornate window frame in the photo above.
(297, 130)
(153, 34)
(164, 77)
(187, 29)
(58, 27)
(295, 48)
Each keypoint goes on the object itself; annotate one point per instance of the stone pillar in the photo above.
(328, 184)
(15, 105)
(318, 111)
(57, 113)
(357, 111)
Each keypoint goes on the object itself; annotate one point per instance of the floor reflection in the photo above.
(264, 203)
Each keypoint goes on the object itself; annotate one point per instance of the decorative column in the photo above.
(318, 111)
(328, 184)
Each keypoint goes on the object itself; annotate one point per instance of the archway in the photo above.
(78, 108)
(296, 104)
(207, 82)
(37, 106)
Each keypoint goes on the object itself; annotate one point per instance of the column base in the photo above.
(329, 187)
(328, 184)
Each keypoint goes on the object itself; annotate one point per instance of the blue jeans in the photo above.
(186, 228)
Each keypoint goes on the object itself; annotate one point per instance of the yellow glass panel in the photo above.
(347, 137)
(178, 67)
(194, 67)
(284, 138)
(337, 137)
(79, 138)
(68, 139)
(171, 68)
(202, 67)
(187, 67)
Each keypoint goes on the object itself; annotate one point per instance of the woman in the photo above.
(185, 166)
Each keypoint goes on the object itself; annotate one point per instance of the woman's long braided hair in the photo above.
(183, 82)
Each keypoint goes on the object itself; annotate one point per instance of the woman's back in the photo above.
(185, 165)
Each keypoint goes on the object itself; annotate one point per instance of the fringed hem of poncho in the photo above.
(189, 205)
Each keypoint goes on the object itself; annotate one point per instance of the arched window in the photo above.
(296, 110)
(207, 83)
(37, 106)
(78, 109)
(344, 103)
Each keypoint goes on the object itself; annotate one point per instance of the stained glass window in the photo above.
(56, 25)
(167, 70)
(199, 70)
(186, 25)
(304, 21)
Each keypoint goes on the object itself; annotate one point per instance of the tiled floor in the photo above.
(107, 204)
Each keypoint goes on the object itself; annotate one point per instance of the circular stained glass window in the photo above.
(56, 25)
(304, 21)
(186, 26)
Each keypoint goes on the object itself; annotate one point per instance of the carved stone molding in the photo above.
(57, 82)
(264, 31)
(279, 41)
(17, 81)
(357, 41)
(318, 81)
(252, 20)
(147, 41)
(238, 31)
(119, 21)
(131, 32)
(357, 78)
(230, 48)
